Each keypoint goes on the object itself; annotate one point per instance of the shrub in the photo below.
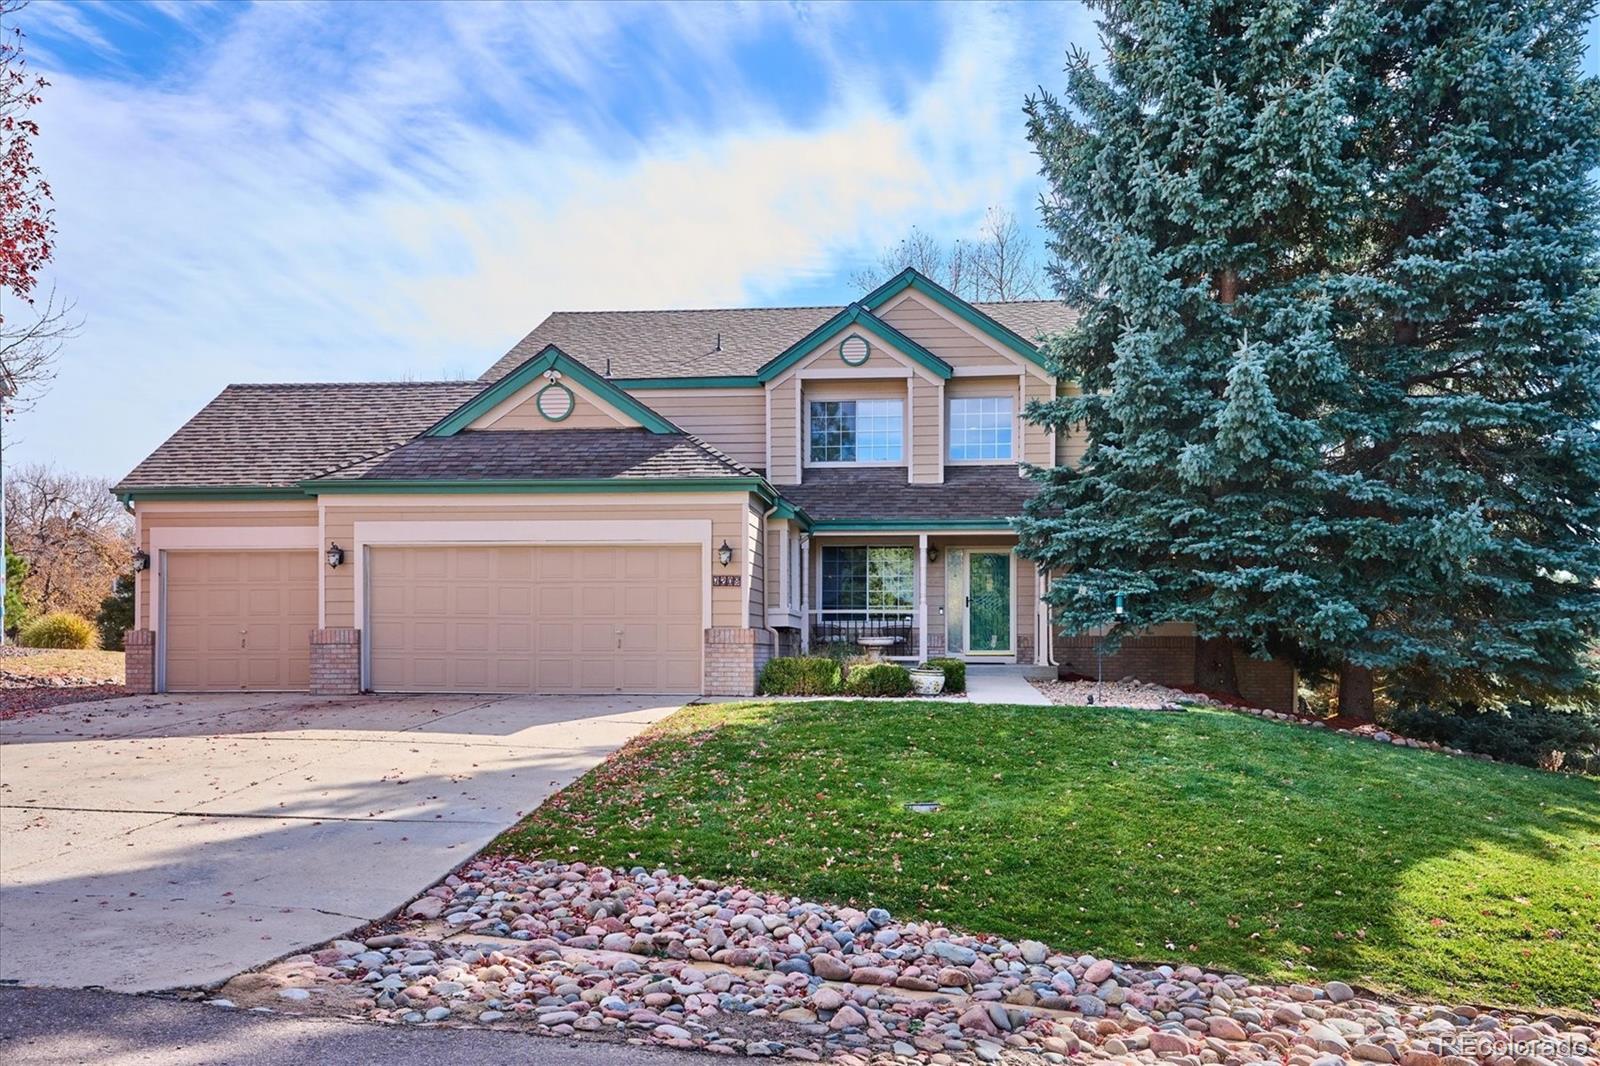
(59, 629)
(955, 673)
(1550, 738)
(812, 675)
(116, 614)
(878, 679)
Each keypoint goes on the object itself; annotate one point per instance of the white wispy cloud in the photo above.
(323, 198)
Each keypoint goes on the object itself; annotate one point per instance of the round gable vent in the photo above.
(555, 401)
(854, 349)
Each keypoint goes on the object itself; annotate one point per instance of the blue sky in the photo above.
(364, 190)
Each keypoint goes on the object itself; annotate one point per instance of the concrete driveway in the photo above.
(167, 841)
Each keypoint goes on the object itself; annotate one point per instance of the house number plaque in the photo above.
(726, 581)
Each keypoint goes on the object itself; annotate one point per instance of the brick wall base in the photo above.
(335, 662)
(1269, 683)
(139, 660)
(1162, 660)
(734, 658)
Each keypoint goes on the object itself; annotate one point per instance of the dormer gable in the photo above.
(551, 391)
(962, 333)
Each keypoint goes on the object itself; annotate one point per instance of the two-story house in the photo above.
(651, 501)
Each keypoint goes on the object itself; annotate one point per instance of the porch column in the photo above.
(805, 593)
(922, 597)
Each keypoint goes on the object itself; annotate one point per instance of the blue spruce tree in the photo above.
(1339, 351)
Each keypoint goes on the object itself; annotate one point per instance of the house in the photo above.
(651, 501)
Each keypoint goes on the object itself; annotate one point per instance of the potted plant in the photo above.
(927, 680)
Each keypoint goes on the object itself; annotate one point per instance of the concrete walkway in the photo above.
(167, 841)
(1003, 684)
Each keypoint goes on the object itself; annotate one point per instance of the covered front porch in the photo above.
(920, 594)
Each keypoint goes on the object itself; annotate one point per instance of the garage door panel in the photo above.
(239, 620)
(591, 619)
(473, 599)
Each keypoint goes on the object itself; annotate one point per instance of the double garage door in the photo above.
(535, 619)
(545, 619)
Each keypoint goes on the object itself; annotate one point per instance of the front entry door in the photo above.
(989, 599)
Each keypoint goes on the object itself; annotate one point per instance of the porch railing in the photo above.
(830, 627)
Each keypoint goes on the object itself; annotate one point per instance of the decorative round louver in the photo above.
(854, 349)
(555, 401)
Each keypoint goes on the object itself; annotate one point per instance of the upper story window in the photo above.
(980, 428)
(857, 431)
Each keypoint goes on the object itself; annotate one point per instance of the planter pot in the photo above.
(927, 682)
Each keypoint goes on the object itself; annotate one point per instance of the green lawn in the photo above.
(1272, 850)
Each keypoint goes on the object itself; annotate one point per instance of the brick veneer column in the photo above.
(734, 658)
(139, 660)
(335, 662)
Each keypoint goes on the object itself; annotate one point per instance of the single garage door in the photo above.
(541, 619)
(239, 621)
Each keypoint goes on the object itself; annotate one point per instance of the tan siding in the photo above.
(758, 560)
(950, 339)
(734, 420)
(153, 515)
(784, 433)
(524, 413)
(727, 523)
(1037, 445)
(927, 432)
(881, 359)
(772, 575)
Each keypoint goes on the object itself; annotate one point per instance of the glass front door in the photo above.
(989, 603)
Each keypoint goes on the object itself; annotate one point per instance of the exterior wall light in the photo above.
(933, 555)
(141, 561)
(335, 555)
(725, 553)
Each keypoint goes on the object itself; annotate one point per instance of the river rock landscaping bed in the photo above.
(1147, 696)
(566, 949)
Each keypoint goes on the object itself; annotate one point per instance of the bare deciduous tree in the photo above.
(74, 534)
(1004, 264)
(1000, 264)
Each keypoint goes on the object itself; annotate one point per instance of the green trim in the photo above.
(728, 381)
(910, 279)
(789, 510)
(214, 492)
(757, 486)
(856, 315)
(572, 402)
(864, 355)
(863, 525)
(550, 358)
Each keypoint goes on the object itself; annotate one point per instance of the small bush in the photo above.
(1545, 737)
(878, 679)
(955, 673)
(59, 629)
(116, 614)
(800, 676)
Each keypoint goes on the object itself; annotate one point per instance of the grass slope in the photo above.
(61, 662)
(1256, 847)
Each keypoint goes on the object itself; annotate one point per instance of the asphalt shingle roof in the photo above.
(675, 344)
(277, 435)
(547, 454)
(881, 492)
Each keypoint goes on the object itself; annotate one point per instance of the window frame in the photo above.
(810, 401)
(949, 432)
(866, 580)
